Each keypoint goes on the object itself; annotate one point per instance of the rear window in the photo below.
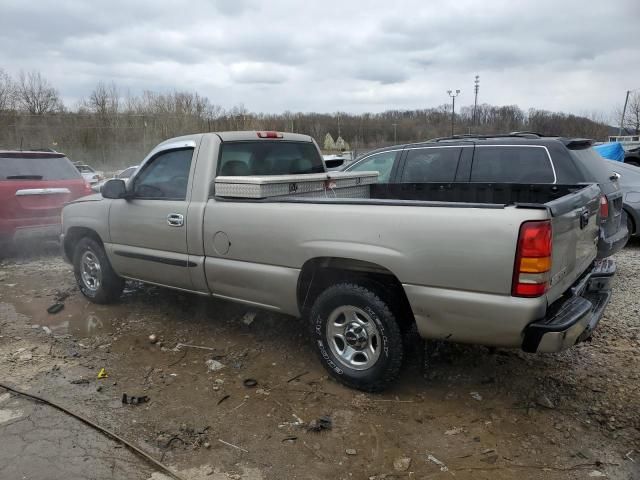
(431, 165)
(517, 164)
(269, 158)
(85, 169)
(46, 168)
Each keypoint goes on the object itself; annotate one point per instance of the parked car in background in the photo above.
(89, 174)
(127, 172)
(236, 216)
(632, 156)
(123, 174)
(34, 186)
(505, 159)
(629, 181)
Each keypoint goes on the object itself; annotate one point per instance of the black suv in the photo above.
(527, 158)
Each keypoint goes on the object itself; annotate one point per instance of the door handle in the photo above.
(175, 219)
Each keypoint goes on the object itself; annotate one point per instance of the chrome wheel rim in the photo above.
(353, 337)
(90, 271)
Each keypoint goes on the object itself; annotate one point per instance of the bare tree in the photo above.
(7, 92)
(36, 95)
(104, 100)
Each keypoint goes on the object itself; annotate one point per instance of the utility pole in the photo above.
(453, 108)
(476, 87)
(624, 112)
(395, 133)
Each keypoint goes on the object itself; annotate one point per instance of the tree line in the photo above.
(112, 128)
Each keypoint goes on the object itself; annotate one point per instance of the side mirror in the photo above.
(114, 189)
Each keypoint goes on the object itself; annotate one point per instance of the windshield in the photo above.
(269, 158)
(47, 168)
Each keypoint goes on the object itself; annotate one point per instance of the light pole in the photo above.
(453, 107)
(624, 110)
(395, 133)
(476, 87)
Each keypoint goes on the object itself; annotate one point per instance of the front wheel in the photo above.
(357, 337)
(95, 277)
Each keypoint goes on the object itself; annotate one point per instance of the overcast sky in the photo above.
(348, 55)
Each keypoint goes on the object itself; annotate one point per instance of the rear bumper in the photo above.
(573, 318)
(607, 246)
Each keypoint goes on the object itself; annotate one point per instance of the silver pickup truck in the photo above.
(507, 265)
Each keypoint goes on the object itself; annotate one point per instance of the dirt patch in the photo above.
(465, 410)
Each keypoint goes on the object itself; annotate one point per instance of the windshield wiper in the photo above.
(24, 177)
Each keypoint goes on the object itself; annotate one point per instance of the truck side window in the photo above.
(165, 177)
(431, 165)
(380, 162)
(511, 164)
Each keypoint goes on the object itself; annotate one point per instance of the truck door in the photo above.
(148, 230)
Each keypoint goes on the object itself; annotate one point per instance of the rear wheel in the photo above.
(356, 336)
(95, 277)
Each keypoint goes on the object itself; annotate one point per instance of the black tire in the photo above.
(389, 339)
(110, 286)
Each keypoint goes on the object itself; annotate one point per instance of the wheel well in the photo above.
(319, 273)
(73, 236)
(633, 222)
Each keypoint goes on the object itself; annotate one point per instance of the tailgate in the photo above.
(35, 199)
(575, 226)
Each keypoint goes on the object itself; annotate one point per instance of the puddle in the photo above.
(77, 320)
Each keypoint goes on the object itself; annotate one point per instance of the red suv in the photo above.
(34, 186)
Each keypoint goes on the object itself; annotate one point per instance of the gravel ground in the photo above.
(468, 411)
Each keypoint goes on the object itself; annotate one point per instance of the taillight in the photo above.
(87, 188)
(604, 207)
(269, 135)
(533, 260)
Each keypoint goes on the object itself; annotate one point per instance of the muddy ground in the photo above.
(467, 412)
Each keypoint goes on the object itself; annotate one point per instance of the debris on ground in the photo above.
(596, 474)
(55, 308)
(545, 402)
(134, 400)
(249, 317)
(402, 464)
(322, 423)
(476, 396)
(153, 338)
(443, 467)
(232, 445)
(201, 347)
(454, 431)
(351, 451)
(47, 330)
(213, 365)
(250, 382)
(80, 381)
(103, 373)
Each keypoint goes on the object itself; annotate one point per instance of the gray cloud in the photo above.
(332, 55)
